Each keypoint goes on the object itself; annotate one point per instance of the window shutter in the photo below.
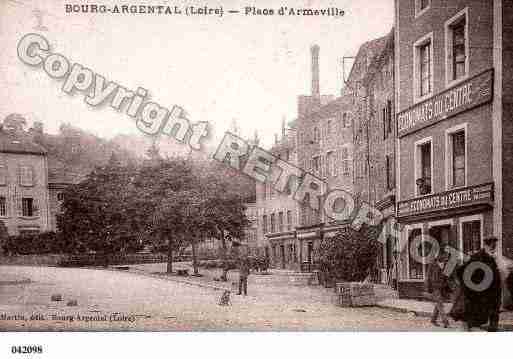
(36, 207)
(32, 177)
(19, 205)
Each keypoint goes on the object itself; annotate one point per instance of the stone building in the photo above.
(31, 183)
(278, 212)
(332, 142)
(374, 142)
(453, 94)
(24, 197)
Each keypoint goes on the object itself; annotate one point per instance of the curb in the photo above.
(15, 281)
(417, 313)
(172, 279)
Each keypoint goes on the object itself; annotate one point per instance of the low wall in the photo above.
(32, 260)
(411, 290)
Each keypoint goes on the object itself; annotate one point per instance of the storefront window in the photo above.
(415, 266)
(471, 232)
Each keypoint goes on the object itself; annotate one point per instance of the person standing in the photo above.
(243, 276)
(437, 284)
(481, 285)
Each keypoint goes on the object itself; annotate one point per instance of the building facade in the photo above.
(453, 109)
(24, 196)
(375, 138)
(31, 183)
(278, 212)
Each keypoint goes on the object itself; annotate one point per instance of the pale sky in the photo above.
(251, 68)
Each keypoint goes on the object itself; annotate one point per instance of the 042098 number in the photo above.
(27, 349)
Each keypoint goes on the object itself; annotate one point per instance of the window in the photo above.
(328, 128)
(456, 42)
(316, 135)
(3, 175)
(471, 235)
(331, 164)
(389, 167)
(27, 205)
(415, 266)
(303, 215)
(273, 223)
(455, 156)
(458, 159)
(387, 119)
(60, 196)
(316, 164)
(26, 176)
(280, 221)
(345, 121)
(458, 51)
(3, 206)
(423, 67)
(289, 220)
(423, 158)
(421, 6)
(264, 224)
(345, 161)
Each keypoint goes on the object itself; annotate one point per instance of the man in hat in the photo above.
(437, 284)
(243, 275)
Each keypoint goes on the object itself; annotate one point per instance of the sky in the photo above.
(244, 68)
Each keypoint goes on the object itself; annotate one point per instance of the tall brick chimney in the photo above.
(314, 50)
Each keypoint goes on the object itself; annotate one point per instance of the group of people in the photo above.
(475, 287)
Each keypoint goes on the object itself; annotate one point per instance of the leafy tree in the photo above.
(350, 255)
(95, 214)
(224, 212)
(3, 235)
(160, 194)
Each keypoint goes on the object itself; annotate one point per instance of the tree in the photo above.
(350, 255)
(95, 215)
(3, 235)
(224, 211)
(160, 193)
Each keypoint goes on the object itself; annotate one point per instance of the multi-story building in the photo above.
(24, 196)
(277, 212)
(453, 94)
(374, 142)
(31, 184)
(332, 141)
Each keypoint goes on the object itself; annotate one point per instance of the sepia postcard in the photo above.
(265, 166)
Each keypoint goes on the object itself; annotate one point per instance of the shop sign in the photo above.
(306, 235)
(462, 197)
(462, 97)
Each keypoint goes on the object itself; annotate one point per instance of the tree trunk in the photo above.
(169, 257)
(194, 255)
(224, 275)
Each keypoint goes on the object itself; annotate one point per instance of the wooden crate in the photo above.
(353, 294)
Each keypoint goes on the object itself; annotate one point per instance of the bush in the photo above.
(350, 255)
(42, 243)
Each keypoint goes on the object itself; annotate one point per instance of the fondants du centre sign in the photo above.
(471, 93)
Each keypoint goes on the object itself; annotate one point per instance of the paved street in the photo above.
(146, 303)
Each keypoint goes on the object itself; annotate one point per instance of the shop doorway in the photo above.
(309, 252)
(282, 255)
(444, 235)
